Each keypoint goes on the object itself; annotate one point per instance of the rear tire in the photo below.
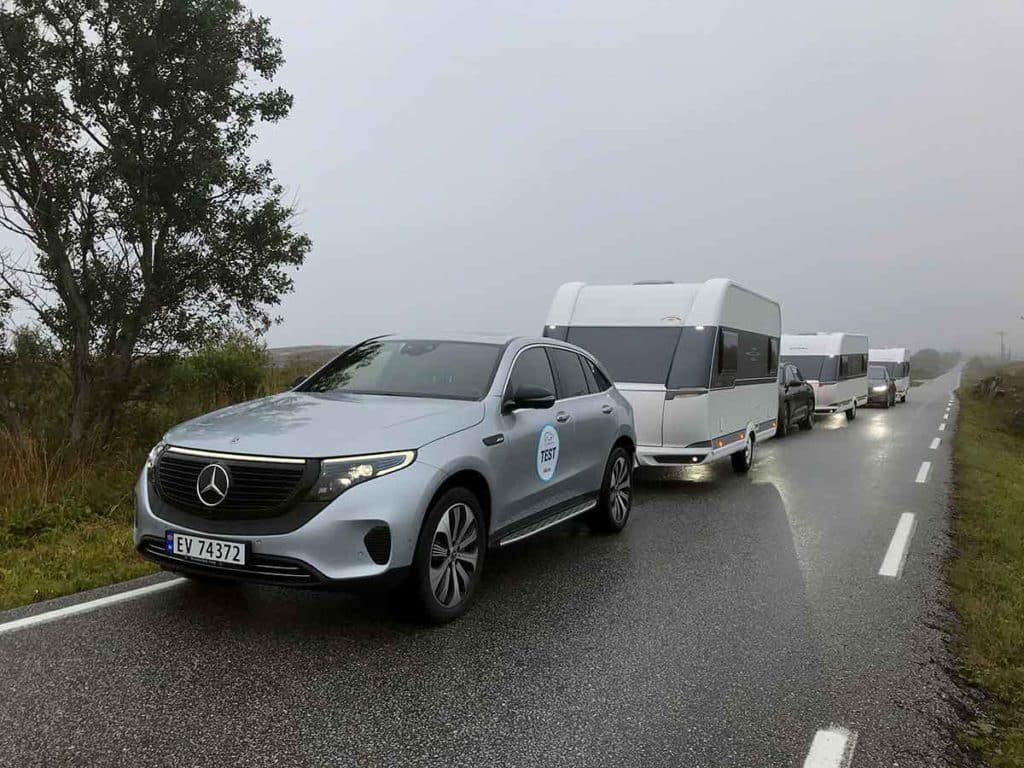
(449, 557)
(808, 421)
(744, 460)
(783, 429)
(616, 499)
(851, 412)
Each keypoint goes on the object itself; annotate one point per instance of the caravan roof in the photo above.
(889, 355)
(713, 302)
(834, 343)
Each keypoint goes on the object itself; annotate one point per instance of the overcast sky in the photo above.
(455, 162)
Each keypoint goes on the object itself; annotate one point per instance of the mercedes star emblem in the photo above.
(212, 484)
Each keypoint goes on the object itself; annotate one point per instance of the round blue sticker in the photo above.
(547, 453)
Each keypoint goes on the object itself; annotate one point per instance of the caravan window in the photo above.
(727, 359)
(823, 368)
(691, 365)
(637, 354)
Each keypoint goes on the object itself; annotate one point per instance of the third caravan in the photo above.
(697, 361)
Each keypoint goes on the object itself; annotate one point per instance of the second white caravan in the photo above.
(835, 364)
(897, 361)
(697, 361)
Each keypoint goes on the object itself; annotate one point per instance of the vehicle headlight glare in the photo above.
(879, 389)
(338, 475)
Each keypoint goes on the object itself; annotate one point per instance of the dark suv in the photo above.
(881, 387)
(796, 400)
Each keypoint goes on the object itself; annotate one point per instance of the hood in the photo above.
(313, 425)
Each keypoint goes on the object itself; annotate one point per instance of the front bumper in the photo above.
(331, 549)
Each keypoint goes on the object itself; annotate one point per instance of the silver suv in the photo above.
(401, 460)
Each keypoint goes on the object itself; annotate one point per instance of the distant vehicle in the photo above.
(896, 360)
(836, 365)
(881, 387)
(698, 361)
(400, 460)
(796, 400)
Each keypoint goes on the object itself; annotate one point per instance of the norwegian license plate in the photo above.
(201, 548)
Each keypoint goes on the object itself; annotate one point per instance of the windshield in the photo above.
(823, 368)
(876, 373)
(454, 370)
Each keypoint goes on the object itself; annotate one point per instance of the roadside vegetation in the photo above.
(927, 364)
(149, 248)
(66, 509)
(987, 574)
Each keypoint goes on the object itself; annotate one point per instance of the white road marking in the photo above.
(946, 417)
(942, 427)
(922, 473)
(896, 554)
(935, 444)
(90, 605)
(832, 748)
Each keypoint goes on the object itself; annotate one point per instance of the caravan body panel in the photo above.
(662, 343)
(835, 365)
(897, 361)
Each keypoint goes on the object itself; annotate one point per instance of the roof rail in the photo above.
(654, 282)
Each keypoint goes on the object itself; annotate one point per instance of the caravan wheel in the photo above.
(851, 413)
(742, 461)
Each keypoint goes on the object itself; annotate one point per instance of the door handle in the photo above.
(606, 409)
(562, 417)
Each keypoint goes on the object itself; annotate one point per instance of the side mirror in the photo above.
(298, 380)
(529, 397)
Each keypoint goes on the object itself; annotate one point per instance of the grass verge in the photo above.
(987, 576)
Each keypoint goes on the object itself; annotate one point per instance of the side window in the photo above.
(571, 381)
(773, 356)
(594, 374)
(844, 366)
(728, 358)
(532, 370)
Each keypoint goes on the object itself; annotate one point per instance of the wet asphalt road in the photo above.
(734, 618)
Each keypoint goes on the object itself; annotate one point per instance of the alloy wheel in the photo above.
(454, 554)
(621, 491)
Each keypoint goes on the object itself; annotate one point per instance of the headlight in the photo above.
(879, 389)
(338, 475)
(154, 454)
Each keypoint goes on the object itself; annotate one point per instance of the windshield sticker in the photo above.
(547, 453)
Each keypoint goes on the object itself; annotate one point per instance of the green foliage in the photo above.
(929, 363)
(125, 131)
(235, 370)
(987, 575)
(65, 510)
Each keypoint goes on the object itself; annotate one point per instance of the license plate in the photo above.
(200, 548)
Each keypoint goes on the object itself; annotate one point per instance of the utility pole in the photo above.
(1002, 345)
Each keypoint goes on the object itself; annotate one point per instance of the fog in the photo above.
(455, 162)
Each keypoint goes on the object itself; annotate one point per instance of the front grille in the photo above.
(262, 569)
(256, 489)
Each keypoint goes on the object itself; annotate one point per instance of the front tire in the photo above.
(851, 412)
(449, 556)
(888, 401)
(616, 499)
(783, 429)
(744, 460)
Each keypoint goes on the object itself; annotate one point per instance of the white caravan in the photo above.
(835, 364)
(897, 361)
(697, 361)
